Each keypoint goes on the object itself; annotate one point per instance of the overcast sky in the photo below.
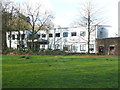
(67, 11)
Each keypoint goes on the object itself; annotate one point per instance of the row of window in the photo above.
(18, 37)
(74, 48)
(65, 34)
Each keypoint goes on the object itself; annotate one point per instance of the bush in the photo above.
(43, 52)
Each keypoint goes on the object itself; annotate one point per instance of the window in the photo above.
(57, 46)
(18, 37)
(23, 36)
(23, 46)
(91, 47)
(74, 48)
(43, 35)
(57, 34)
(8, 37)
(65, 48)
(82, 47)
(18, 46)
(65, 34)
(43, 46)
(13, 37)
(73, 33)
(38, 35)
(50, 35)
(112, 48)
(82, 33)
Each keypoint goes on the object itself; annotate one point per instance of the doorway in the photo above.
(101, 50)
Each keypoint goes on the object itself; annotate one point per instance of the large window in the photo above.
(82, 47)
(50, 35)
(57, 34)
(82, 33)
(65, 34)
(73, 33)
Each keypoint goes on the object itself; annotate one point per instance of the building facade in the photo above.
(74, 39)
(108, 46)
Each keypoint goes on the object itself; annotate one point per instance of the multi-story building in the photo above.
(74, 39)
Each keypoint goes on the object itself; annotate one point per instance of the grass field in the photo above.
(59, 72)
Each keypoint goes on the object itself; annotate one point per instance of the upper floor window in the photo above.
(73, 33)
(65, 34)
(57, 34)
(43, 35)
(82, 33)
(50, 35)
(13, 37)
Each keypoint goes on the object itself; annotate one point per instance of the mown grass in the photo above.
(59, 72)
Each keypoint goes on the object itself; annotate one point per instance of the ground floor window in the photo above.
(74, 48)
(101, 49)
(82, 47)
(57, 46)
(91, 47)
(112, 48)
(43, 46)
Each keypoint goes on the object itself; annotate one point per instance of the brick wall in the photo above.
(108, 46)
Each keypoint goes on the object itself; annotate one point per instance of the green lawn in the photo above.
(59, 72)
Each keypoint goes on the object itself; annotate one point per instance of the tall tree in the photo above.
(38, 17)
(90, 18)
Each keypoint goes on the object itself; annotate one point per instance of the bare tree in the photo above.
(90, 18)
(38, 17)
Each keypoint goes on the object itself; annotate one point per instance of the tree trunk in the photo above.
(32, 43)
(88, 32)
(4, 43)
(10, 39)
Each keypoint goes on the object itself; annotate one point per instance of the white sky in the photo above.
(66, 11)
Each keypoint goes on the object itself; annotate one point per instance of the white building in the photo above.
(67, 39)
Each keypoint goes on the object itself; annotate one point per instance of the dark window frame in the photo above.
(50, 35)
(43, 35)
(57, 34)
(73, 33)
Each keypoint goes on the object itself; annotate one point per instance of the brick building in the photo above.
(108, 46)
